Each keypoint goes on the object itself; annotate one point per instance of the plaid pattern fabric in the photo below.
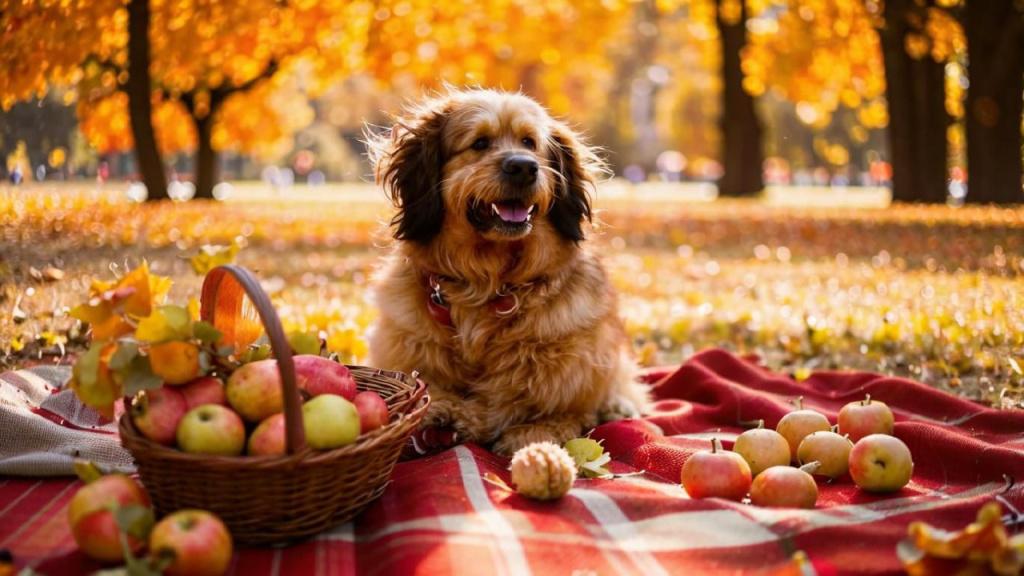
(439, 516)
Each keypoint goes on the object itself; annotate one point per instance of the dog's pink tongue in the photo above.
(512, 212)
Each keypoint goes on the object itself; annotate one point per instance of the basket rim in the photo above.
(363, 444)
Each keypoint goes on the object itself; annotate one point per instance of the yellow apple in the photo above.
(762, 448)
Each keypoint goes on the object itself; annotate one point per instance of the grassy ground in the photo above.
(809, 281)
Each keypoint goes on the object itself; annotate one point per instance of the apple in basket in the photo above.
(205, 390)
(268, 439)
(316, 375)
(196, 542)
(156, 413)
(211, 429)
(796, 425)
(881, 463)
(373, 411)
(330, 421)
(865, 417)
(92, 522)
(254, 390)
(717, 473)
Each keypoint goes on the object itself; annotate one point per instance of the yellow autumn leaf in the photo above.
(165, 323)
(194, 308)
(210, 256)
(92, 313)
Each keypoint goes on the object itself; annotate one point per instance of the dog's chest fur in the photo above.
(557, 320)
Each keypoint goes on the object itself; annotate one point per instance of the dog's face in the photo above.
(486, 163)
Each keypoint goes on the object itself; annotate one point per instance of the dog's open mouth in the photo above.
(510, 217)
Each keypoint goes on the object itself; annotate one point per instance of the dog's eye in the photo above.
(481, 144)
(530, 143)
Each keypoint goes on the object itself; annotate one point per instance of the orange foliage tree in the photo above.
(885, 62)
(555, 50)
(206, 75)
(741, 150)
(236, 75)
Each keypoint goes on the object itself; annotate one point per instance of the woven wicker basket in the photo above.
(276, 499)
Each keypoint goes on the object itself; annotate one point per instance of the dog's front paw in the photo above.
(617, 407)
(439, 415)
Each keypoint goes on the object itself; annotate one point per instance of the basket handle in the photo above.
(220, 296)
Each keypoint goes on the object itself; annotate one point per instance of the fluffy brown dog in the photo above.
(489, 292)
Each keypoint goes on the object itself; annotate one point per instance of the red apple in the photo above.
(762, 448)
(317, 375)
(254, 390)
(865, 417)
(373, 411)
(211, 429)
(785, 487)
(198, 542)
(798, 424)
(156, 413)
(92, 523)
(269, 437)
(881, 463)
(716, 473)
(831, 450)
(205, 390)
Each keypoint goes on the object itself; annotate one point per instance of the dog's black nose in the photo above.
(520, 169)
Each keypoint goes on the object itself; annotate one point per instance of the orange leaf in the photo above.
(111, 328)
(140, 301)
(175, 362)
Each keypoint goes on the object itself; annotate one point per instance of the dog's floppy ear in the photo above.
(578, 166)
(408, 163)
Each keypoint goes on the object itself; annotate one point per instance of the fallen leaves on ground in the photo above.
(932, 293)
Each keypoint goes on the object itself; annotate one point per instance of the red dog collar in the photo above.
(504, 303)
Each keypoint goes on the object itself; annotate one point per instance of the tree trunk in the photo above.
(742, 156)
(995, 51)
(140, 105)
(207, 159)
(918, 121)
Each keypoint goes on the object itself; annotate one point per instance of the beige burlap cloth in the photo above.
(44, 428)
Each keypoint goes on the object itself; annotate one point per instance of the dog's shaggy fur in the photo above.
(559, 360)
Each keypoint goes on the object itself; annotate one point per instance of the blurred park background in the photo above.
(827, 183)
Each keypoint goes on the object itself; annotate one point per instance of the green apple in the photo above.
(881, 463)
(330, 421)
(211, 429)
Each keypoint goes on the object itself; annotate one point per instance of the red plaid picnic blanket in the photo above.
(439, 516)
